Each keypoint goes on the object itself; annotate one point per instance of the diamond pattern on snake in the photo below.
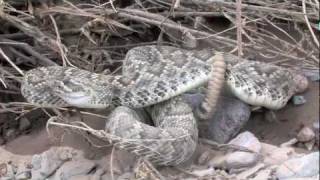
(154, 77)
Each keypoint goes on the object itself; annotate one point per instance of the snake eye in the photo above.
(61, 87)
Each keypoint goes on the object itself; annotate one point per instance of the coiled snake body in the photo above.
(154, 76)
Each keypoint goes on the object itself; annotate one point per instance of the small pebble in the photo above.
(204, 157)
(298, 100)
(309, 145)
(306, 134)
(10, 134)
(313, 75)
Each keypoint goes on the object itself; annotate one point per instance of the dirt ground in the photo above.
(290, 119)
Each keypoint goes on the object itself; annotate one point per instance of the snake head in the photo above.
(57, 86)
(83, 93)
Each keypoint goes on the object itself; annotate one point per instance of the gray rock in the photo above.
(305, 166)
(298, 100)
(194, 100)
(230, 116)
(313, 75)
(24, 124)
(10, 134)
(73, 168)
(45, 164)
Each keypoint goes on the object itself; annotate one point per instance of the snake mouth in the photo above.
(81, 100)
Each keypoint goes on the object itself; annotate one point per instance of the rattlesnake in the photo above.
(157, 75)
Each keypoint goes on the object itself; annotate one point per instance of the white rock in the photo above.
(204, 172)
(305, 166)
(305, 178)
(274, 155)
(247, 140)
(306, 134)
(239, 159)
(251, 171)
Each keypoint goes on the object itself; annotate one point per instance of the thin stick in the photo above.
(111, 163)
(10, 62)
(308, 23)
(239, 28)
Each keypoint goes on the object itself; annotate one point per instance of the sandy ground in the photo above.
(290, 119)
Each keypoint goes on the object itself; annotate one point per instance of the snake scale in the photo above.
(154, 77)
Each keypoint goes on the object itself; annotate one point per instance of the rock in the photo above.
(24, 124)
(234, 160)
(310, 144)
(274, 155)
(230, 116)
(239, 160)
(23, 175)
(298, 100)
(251, 171)
(247, 140)
(313, 75)
(9, 173)
(204, 157)
(203, 172)
(10, 134)
(194, 100)
(74, 168)
(306, 134)
(263, 174)
(49, 161)
(23, 172)
(305, 166)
